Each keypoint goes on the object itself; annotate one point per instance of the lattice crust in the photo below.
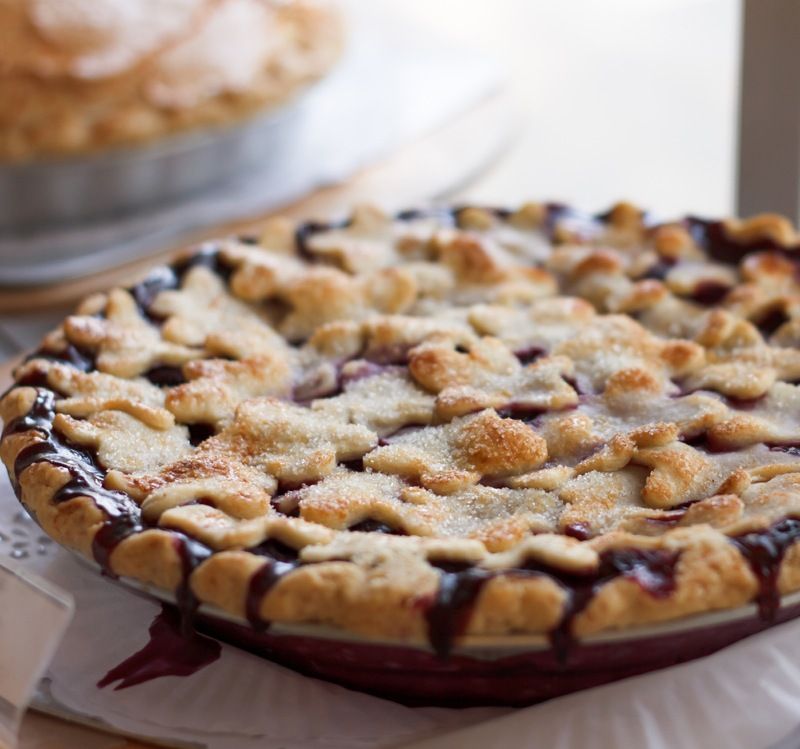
(364, 384)
(489, 375)
(126, 343)
(203, 313)
(216, 386)
(389, 397)
(88, 393)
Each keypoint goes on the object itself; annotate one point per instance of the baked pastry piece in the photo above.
(444, 422)
(90, 74)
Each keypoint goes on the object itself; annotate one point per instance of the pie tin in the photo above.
(511, 670)
(60, 192)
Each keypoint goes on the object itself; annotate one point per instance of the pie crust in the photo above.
(444, 422)
(94, 74)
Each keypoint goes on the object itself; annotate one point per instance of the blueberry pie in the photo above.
(441, 423)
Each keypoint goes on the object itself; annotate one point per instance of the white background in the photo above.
(631, 99)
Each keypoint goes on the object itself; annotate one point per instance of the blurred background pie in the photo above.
(84, 75)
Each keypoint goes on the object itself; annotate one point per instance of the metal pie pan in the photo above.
(59, 192)
(515, 669)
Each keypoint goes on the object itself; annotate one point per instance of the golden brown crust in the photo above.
(533, 437)
(136, 91)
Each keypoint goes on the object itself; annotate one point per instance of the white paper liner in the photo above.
(746, 696)
(237, 702)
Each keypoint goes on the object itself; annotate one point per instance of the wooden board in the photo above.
(5, 373)
(423, 170)
(44, 732)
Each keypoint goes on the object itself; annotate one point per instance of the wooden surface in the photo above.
(43, 732)
(5, 373)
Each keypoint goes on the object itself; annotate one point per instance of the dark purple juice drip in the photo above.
(376, 526)
(169, 277)
(448, 615)
(357, 464)
(165, 376)
(281, 560)
(703, 442)
(86, 480)
(444, 214)
(192, 553)
(111, 535)
(743, 404)
(709, 293)
(582, 223)
(455, 212)
(35, 378)
(364, 370)
(521, 412)
(653, 570)
(659, 270)
(308, 229)
(287, 503)
(86, 477)
(389, 354)
(530, 354)
(581, 531)
(711, 235)
(40, 416)
(764, 551)
(773, 319)
(75, 356)
(200, 433)
(169, 652)
(790, 448)
(144, 293)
